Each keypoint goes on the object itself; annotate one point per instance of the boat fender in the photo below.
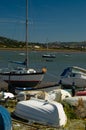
(44, 70)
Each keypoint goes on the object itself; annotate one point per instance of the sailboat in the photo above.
(22, 77)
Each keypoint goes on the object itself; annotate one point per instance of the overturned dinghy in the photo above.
(41, 111)
(57, 95)
(79, 103)
(25, 95)
(76, 100)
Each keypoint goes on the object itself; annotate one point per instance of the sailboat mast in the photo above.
(26, 33)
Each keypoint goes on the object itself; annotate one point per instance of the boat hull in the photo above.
(22, 80)
(41, 111)
(73, 76)
(49, 56)
(79, 82)
(79, 103)
(81, 93)
(74, 101)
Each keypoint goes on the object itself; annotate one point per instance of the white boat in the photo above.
(48, 56)
(41, 111)
(74, 101)
(25, 95)
(79, 103)
(57, 95)
(73, 76)
(22, 76)
(54, 95)
(8, 95)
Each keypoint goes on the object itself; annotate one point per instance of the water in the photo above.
(54, 68)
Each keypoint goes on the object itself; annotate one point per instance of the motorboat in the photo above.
(42, 112)
(49, 56)
(73, 76)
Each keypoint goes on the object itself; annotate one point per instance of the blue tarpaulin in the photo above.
(5, 119)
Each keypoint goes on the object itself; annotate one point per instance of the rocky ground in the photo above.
(75, 124)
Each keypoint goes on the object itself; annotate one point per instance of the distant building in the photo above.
(36, 47)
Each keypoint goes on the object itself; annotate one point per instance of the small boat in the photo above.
(49, 56)
(73, 76)
(42, 112)
(79, 105)
(54, 95)
(8, 95)
(81, 93)
(57, 95)
(5, 95)
(25, 95)
(5, 119)
(22, 76)
(74, 101)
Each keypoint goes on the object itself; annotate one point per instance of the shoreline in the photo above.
(41, 50)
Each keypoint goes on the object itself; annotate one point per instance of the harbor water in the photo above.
(54, 66)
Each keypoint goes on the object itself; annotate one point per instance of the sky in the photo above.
(48, 20)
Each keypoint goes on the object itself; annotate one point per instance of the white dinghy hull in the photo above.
(41, 111)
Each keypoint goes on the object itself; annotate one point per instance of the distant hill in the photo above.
(10, 43)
